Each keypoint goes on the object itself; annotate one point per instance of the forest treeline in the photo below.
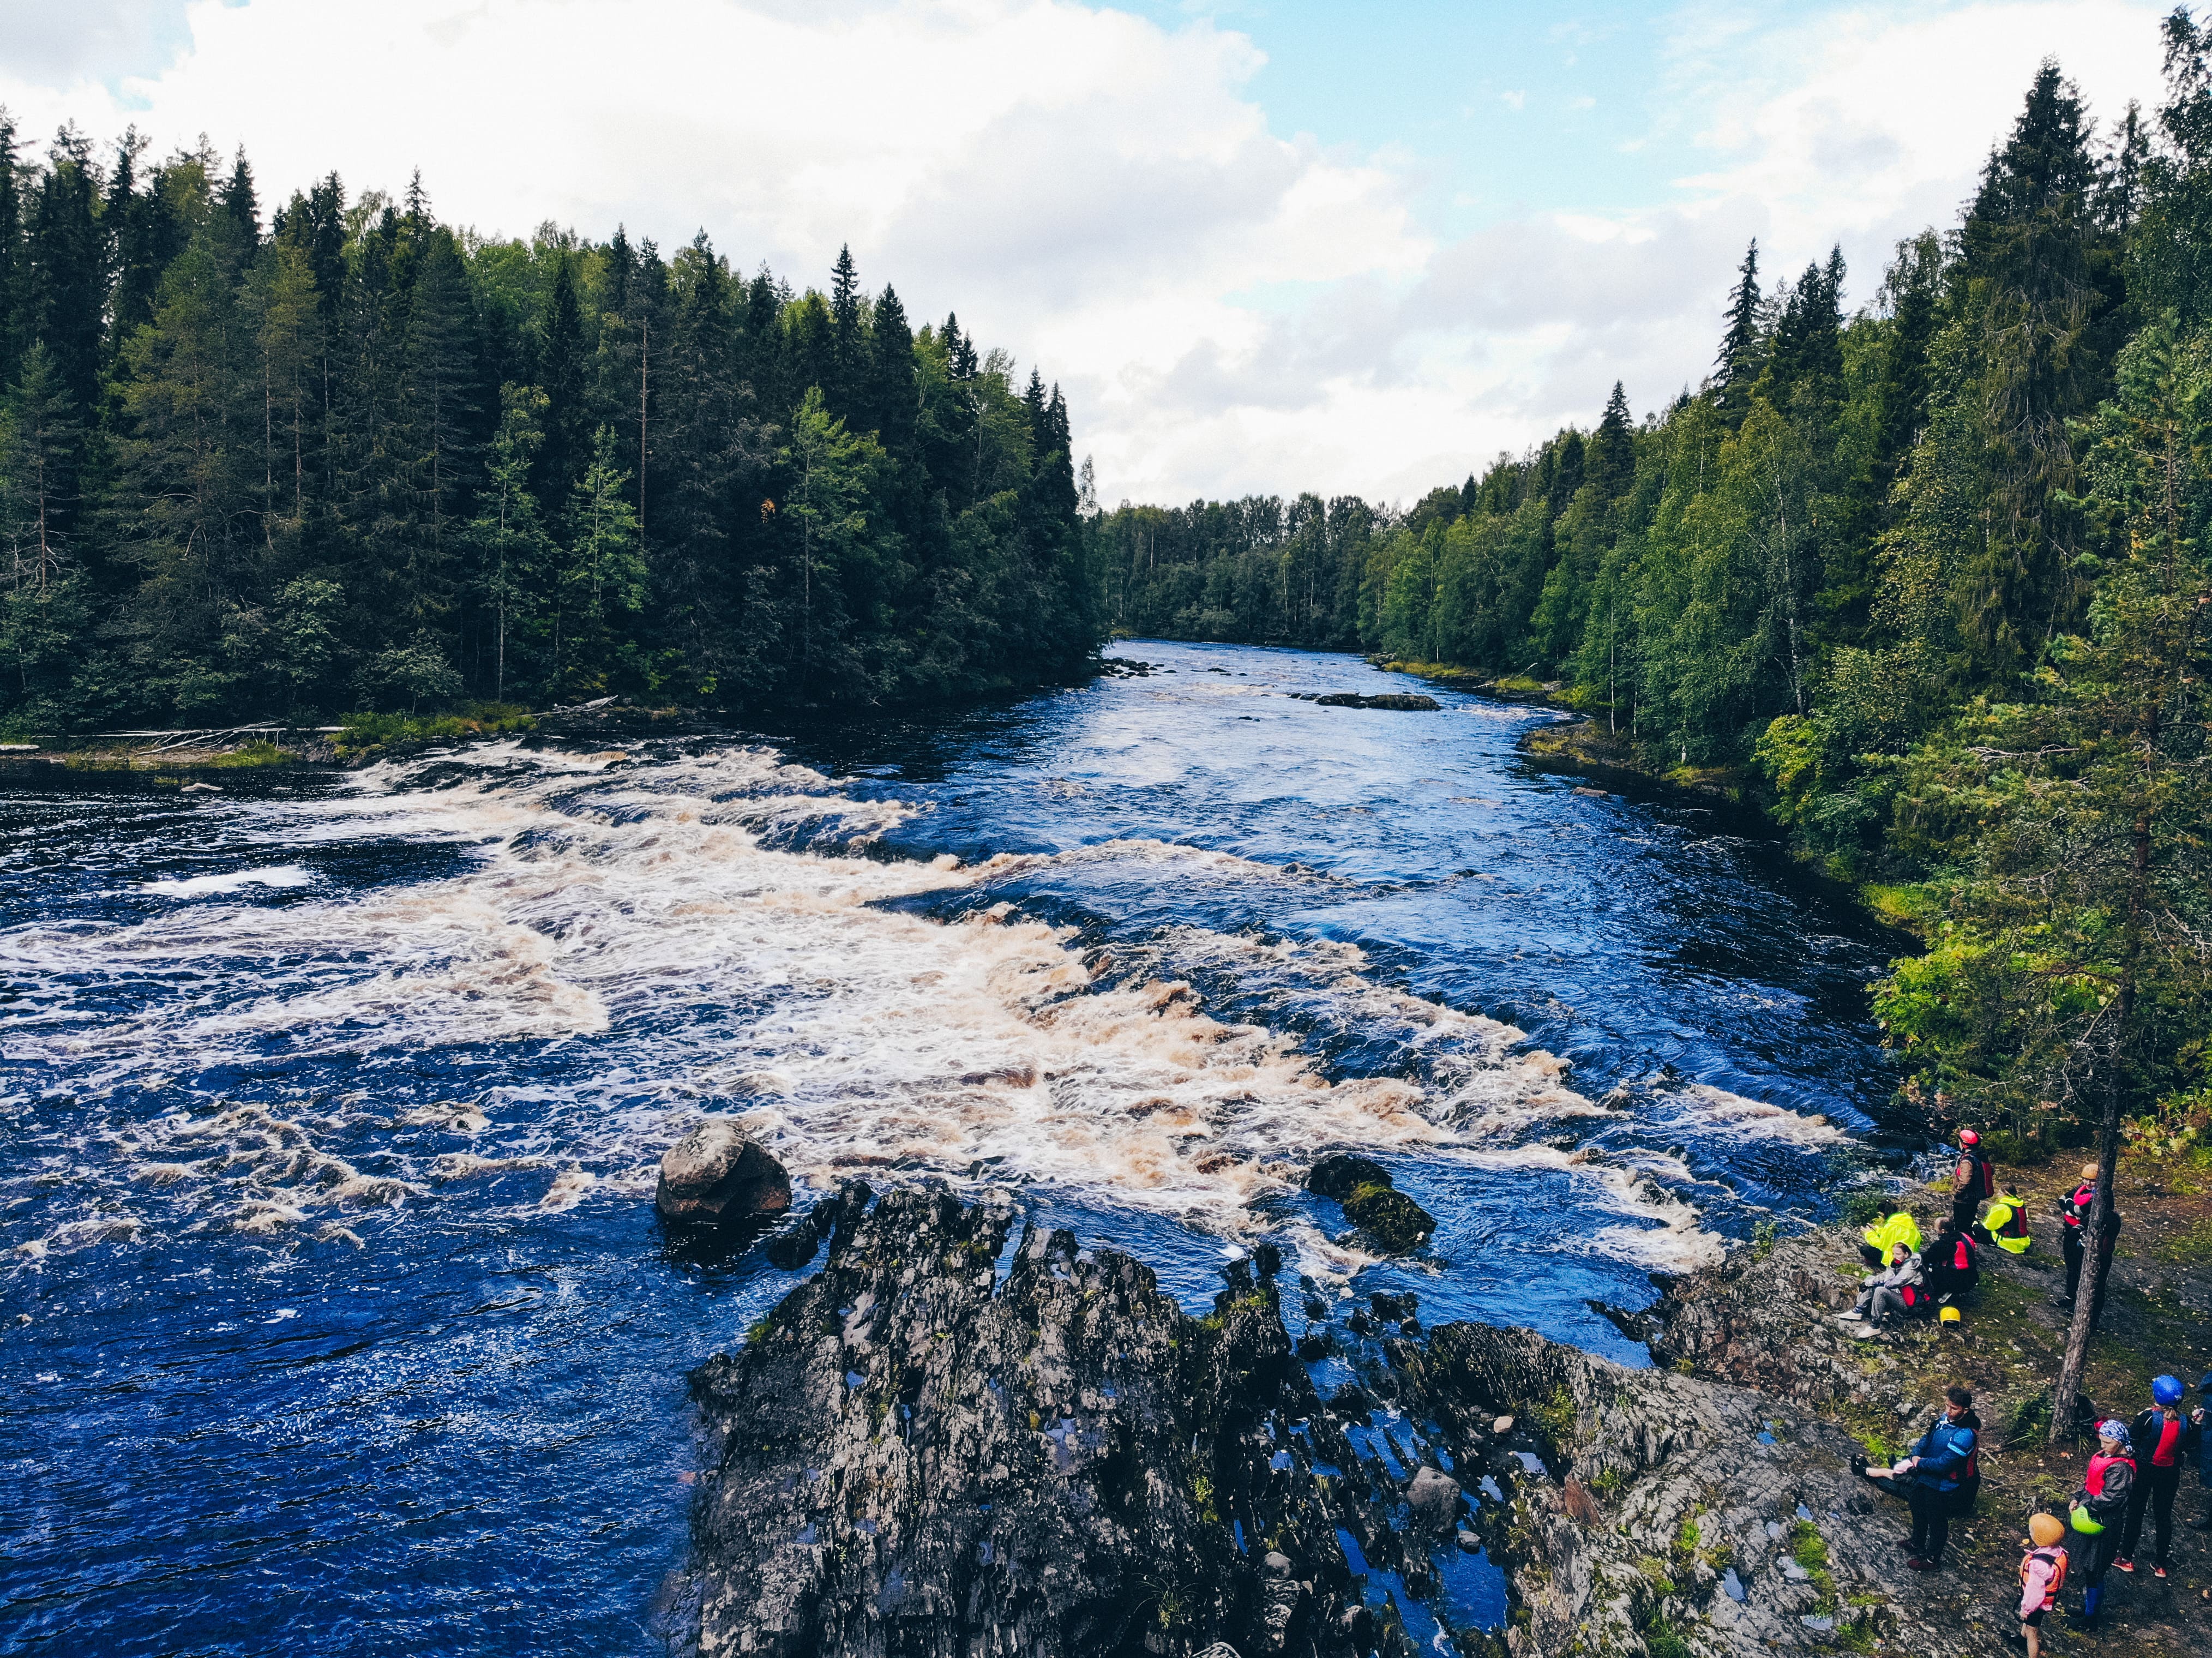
(1932, 565)
(351, 458)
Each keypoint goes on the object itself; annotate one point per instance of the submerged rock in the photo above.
(718, 1172)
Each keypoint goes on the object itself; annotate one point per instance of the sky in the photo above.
(1263, 245)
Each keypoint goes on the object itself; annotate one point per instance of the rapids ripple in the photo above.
(334, 1306)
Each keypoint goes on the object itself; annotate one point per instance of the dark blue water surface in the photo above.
(332, 1310)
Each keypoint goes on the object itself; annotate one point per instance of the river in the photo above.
(335, 1313)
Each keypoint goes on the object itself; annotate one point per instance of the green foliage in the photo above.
(365, 734)
(366, 461)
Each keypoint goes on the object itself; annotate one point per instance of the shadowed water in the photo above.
(334, 1309)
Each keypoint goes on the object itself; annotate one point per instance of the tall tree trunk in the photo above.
(2089, 1293)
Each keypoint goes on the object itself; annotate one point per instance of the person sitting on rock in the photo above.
(1897, 1289)
(1878, 1240)
(2099, 1508)
(2169, 1437)
(1953, 1262)
(2042, 1579)
(1942, 1466)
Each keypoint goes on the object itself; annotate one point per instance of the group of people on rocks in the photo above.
(2137, 1469)
(2134, 1475)
(1911, 1282)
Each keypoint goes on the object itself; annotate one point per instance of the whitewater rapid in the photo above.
(723, 927)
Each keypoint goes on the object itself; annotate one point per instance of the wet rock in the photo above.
(1338, 1176)
(1391, 1218)
(1434, 1498)
(718, 1172)
(912, 1457)
(1411, 702)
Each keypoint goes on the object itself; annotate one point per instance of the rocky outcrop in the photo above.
(937, 1445)
(718, 1174)
(1364, 1187)
(916, 1457)
(1404, 701)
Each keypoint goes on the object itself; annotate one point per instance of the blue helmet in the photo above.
(2165, 1389)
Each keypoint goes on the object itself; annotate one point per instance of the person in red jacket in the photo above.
(2166, 1438)
(1952, 1263)
(2100, 1507)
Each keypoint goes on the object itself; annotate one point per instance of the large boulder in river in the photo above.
(1404, 701)
(1363, 1186)
(718, 1172)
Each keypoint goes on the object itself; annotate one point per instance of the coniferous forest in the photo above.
(342, 456)
(1929, 573)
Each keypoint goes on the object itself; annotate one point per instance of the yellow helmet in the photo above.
(1948, 1315)
(2046, 1529)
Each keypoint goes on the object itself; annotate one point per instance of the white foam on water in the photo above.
(204, 886)
(642, 904)
(1708, 1108)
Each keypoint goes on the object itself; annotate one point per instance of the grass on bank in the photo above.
(362, 734)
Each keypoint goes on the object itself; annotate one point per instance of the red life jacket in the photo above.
(1983, 1180)
(2094, 1482)
(1908, 1293)
(2077, 1206)
(2162, 1454)
(1962, 1257)
(2056, 1556)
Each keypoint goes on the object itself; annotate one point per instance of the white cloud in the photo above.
(1514, 100)
(1229, 308)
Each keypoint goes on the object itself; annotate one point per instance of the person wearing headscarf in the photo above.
(2099, 1509)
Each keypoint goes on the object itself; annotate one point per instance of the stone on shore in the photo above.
(718, 1174)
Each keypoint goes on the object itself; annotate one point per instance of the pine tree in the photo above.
(603, 580)
(561, 373)
(846, 383)
(68, 286)
(14, 257)
(1611, 460)
(1742, 346)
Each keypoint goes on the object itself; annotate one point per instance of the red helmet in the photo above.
(1968, 1137)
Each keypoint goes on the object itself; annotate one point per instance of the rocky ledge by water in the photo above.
(937, 1445)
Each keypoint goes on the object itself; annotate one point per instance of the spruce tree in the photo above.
(1611, 461)
(1737, 367)
(561, 376)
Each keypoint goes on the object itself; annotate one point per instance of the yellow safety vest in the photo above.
(2007, 1224)
(1900, 1228)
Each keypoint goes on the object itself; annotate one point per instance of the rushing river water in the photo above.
(336, 1316)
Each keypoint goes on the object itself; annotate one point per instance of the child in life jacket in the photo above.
(2042, 1579)
(2166, 1439)
(1953, 1262)
(2099, 1509)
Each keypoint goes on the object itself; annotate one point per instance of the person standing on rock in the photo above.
(2204, 1451)
(2099, 1508)
(2042, 1579)
(1940, 1466)
(2074, 1212)
(1971, 1181)
(2168, 1438)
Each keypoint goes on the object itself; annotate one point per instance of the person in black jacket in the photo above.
(2166, 1437)
(1953, 1263)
